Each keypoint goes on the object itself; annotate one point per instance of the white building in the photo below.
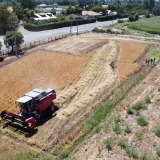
(58, 10)
(43, 16)
(49, 10)
(110, 13)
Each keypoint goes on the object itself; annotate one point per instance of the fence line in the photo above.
(30, 45)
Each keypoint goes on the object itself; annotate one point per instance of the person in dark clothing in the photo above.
(112, 64)
(154, 61)
(151, 61)
(148, 61)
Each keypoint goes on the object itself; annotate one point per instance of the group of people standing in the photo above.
(151, 61)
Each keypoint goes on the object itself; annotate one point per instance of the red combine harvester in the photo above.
(31, 105)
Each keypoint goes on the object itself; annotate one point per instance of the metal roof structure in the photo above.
(24, 99)
(90, 13)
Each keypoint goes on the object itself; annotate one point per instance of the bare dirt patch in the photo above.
(75, 46)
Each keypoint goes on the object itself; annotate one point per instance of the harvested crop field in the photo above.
(75, 46)
(128, 59)
(38, 70)
(81, 78)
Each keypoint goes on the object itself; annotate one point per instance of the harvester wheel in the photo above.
(52, 108)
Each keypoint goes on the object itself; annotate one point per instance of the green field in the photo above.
(149, 25)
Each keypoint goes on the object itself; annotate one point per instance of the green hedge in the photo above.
(106, 18)
(144, 28)
(48, 26)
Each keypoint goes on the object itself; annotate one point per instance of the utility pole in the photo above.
(77, 27)
(13, 25)
(71, 26)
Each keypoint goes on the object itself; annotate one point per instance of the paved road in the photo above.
(36, 36)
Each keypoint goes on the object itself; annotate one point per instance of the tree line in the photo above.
(24, 10)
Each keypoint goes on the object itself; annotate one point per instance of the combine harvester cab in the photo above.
(31, 105)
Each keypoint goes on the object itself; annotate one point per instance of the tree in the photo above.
(30, 4)
(18, 10)
(69, 10)
(131, 18)
(82, 3)
(97, 8)
(156, 10)
(78, 10)
(4, 18)
(73, 2)
(146, 4)
(9, 39)
(152, 4)
(136, 17)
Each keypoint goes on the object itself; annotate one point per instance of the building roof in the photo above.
(75, 16)
(58, 9)
(42, 5)
(48, 8)
(90, 13)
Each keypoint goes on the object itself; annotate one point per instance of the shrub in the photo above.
(128, 129)
(147, 99)
(145, 157)
(1, 59)
(131, 152)
(159, 89)
(147, 15)
(131, 18)
(117, 128)
(106, 18)
(158, 151)
(136, 17)
(157, 132)
(51, 25)
(120, 21)
(129, 110)
(95, 30)
(122, 144)
(109, 144)
(116, 119)
(142, 121)
(137, 113)
(138, 106)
